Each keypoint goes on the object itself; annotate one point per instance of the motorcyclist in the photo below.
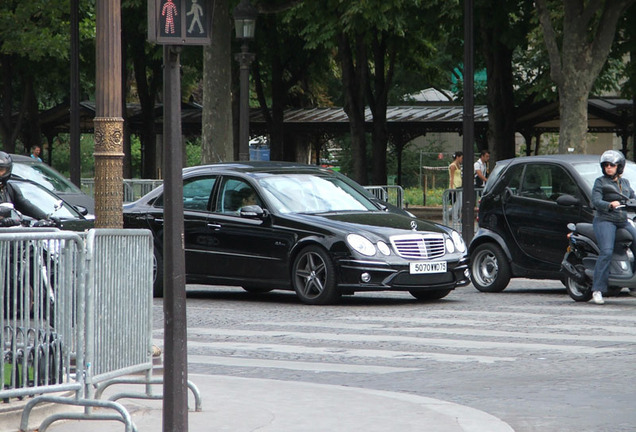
(609, 216)
(11, 194)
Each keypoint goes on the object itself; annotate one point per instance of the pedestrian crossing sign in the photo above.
(179, 22)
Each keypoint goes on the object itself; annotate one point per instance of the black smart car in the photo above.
(523, 216)
(270, 225)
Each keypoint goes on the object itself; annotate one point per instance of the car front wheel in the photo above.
(490, 270)
(314, 277)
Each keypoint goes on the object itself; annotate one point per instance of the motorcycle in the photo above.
(582, 253)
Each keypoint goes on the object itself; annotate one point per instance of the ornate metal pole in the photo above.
(109, 123)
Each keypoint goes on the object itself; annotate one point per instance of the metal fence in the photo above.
(133, 188)
(452, 207)
(393, 194)
(40, 327)
(77, 316)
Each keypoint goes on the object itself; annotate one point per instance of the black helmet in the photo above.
(5, 162)
(613, 157)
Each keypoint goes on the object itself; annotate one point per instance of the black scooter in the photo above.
(582, 253)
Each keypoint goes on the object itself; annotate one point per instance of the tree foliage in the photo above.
(578, 35)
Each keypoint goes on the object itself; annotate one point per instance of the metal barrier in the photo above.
(393, 194)
(96, 329)
(41, 329)
(133, 188)
(452, 207)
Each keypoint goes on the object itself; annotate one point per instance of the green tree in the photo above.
(34, 53)
(578, 36)
(502, 28)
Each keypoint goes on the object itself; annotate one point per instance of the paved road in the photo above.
(530, 355)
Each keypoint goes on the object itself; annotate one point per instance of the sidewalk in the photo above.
(242, 405)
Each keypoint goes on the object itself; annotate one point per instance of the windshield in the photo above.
(44, 200)
(44, 175)
(590, 171)
(308, 193)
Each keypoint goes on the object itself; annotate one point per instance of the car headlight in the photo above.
(459, 241)
(384, 248)
(361, 244)
(450, 245)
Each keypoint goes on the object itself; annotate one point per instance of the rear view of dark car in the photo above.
(523, 216)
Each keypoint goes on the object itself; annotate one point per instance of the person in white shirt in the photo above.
(481, 169)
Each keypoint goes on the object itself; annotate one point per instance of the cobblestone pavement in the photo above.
(529, 355)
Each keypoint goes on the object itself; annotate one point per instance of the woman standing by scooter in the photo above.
(609, 216)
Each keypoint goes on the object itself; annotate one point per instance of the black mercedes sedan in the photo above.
(273, 225)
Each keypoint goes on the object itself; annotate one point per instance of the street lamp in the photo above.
(244, 23)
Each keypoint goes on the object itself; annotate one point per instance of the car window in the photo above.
(510, 179)
(492, 178)
(45, 201)
(308, 193)
(196, 194)
(235, 194)
(44, 175)
(563, 184)
(589, 171)
(536, 182)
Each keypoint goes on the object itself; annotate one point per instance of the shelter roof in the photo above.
(605, 115)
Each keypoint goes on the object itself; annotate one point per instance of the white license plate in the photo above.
(427, 267)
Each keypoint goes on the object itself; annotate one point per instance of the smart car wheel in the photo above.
(490, 270)
(157, 273)
(313, 277)
(430, 295)
(579, 292)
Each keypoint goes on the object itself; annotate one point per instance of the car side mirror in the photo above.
(253, 212)
(568, 200)
(81, 210)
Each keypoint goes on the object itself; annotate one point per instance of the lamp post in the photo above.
(244, 23)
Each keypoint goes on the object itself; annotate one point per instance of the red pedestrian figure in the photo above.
(169, 10)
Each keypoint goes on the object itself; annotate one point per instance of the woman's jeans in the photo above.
(605, 233)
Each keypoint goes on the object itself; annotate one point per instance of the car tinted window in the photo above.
(492, 178)
(536, 182)
(563, 184)
(45, 201)
(196, 193)
(511, 179)
(306, 193)
(234, 194)
(44, 175)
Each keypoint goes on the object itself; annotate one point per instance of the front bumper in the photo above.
(359, 275)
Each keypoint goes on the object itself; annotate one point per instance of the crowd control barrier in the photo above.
(77, 317)
(452, 207)
(133, 188)
(393, 194)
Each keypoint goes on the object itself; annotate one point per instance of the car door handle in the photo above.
(215, 226)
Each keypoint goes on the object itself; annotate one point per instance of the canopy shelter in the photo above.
(404, 123)
(604, 115)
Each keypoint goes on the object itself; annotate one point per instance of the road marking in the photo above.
(234, 361)
(462, 344)
(453, 330)
(264, 348)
